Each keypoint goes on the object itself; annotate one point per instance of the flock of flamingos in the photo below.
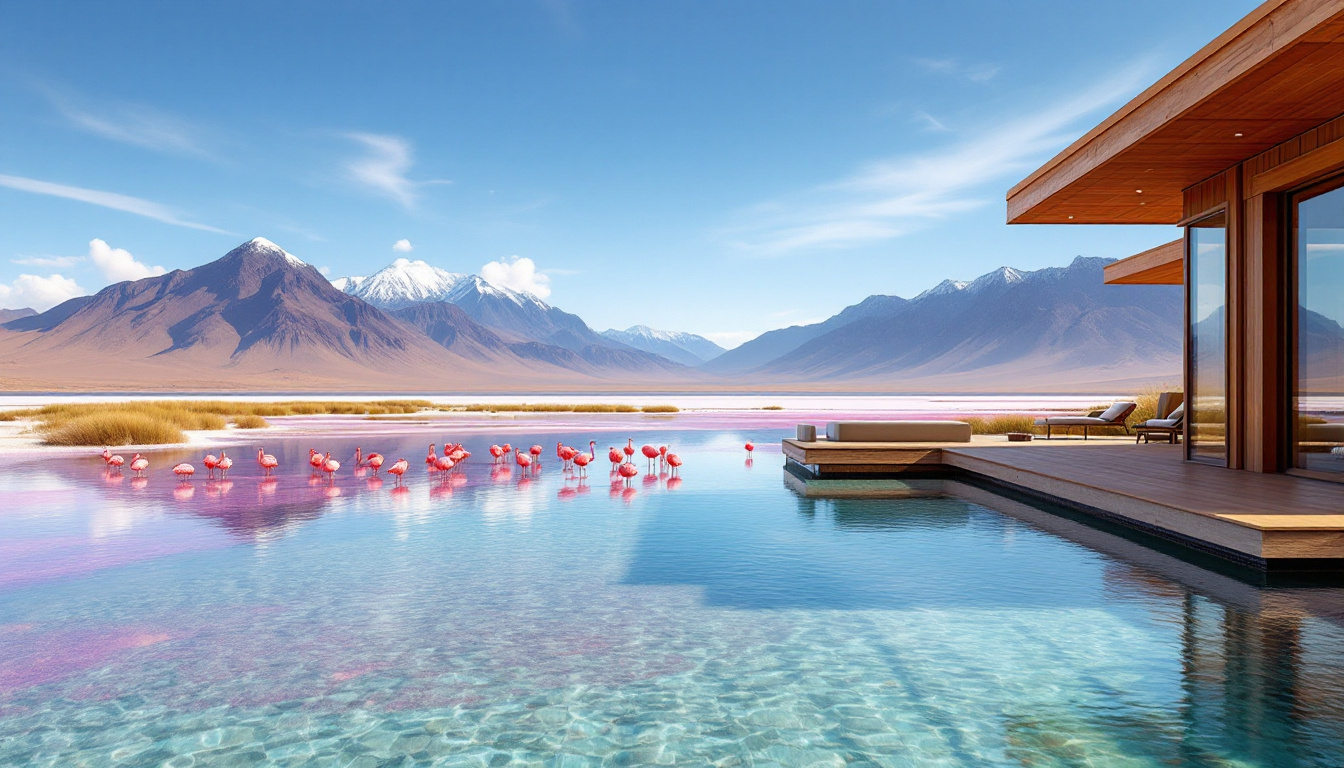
(452, 459)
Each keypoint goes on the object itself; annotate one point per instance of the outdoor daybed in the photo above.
(898, 432)
(1111, 417)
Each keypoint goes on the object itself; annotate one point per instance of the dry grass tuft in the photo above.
(163, 421)
(1002, 424)
(114, 428)
(773, 408)
(660, 409)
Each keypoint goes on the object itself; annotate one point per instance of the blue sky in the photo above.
(717, 167)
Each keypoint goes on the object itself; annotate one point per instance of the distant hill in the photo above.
(1005, 331)
(773, 344)
(14, 314)
(261, 319)
(684, 348)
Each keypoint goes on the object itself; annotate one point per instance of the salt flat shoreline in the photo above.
(720, 412)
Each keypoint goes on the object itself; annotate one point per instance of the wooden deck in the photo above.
(1259, 519)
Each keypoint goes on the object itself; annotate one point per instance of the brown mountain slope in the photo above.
(256, 318)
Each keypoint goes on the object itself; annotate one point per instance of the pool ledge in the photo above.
(1267, 521)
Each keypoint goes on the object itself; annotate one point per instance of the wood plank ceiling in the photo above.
(1277, 73)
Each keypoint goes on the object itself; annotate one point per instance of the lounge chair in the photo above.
(1170, 419)
(1111, 417)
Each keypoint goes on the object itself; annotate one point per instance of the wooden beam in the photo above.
(1304, 168)
(1163, 265)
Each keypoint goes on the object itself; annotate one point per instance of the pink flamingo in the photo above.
(582, 460)
(107, 454)
(650, 453)
(266, 461)
(225, 464)
(662, 454)
(750, 446)
(139, 464)
(496, 453)
(374, 460)
(114, 461)
(210, 461)
(398, 469)
(628, 471)
(184, 471)
(458, 454)
(431, 459)
(444, 464)
(315, 459)
(615, 457)
(330, 465)
(674, 461)
(629, 448)
(523, 460)
(566, 454)
(536, 452)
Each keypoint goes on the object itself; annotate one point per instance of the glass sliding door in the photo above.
(1206, 402)
(1318, 402)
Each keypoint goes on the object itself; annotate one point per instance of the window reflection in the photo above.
(1320, 338)
(1206, 408)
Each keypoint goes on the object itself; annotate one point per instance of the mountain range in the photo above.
(261, 319)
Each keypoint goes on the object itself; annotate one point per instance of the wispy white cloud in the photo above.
(403, 246)
(384, 166)
(977, 73)
(117, 264)
(137, 125)
(930, 122)
(40, 293)
(518, 274)
(51, 262)
(113, 200)
(887, 198)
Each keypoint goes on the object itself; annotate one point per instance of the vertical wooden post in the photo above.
(1266, 387)
(1236, 338)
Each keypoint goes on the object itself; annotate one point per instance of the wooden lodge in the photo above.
(1242, 148)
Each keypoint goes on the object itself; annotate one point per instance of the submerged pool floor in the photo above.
(508, 619)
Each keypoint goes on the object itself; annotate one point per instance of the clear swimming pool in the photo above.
(508, 619)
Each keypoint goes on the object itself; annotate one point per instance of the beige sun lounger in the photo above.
(1111, 417)
(898, 432)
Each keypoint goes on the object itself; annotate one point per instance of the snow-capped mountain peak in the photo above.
(685, 348)
(475, 285)
(1001, 276)
(402, 283)
(346, 284)
(261, 244)
(944, 288)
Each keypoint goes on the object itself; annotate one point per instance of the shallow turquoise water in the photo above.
(508, 619)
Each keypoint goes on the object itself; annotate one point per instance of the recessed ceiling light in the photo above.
(1238, 135)
(1139, 191)
(1070, 217)
(1142, 203)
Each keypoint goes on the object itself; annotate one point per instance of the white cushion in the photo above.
(1113, 413)
(1162, 423)
(1177, 412)
(899, 431)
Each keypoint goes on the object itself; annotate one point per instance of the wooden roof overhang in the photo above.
(1275, 74)
(1163, 265)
